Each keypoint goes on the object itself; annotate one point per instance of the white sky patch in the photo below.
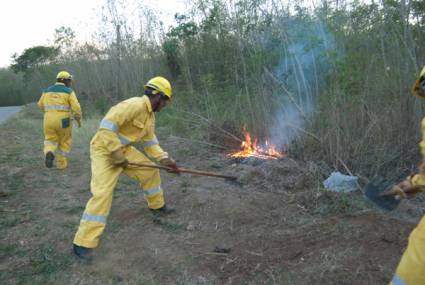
(28, 23)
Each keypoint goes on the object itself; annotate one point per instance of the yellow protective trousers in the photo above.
(104, 178)
(58, 136)
(411, 269)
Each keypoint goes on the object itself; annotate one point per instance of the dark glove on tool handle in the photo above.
(419, 87)
(78, 119)
(171, 163)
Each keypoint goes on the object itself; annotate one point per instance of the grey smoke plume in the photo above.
(300, 75)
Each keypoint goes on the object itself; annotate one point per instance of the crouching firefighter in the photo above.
(59, 103)
(128, 122)
(411, 269)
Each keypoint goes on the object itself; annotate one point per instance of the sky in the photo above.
(28, 23)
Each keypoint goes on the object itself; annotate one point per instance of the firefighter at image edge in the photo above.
(111, 150)
(411, 268)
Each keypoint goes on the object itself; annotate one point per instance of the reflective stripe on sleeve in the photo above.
(397, 280)
(152, 191)
(162, 157)
(152, 142)
(94, 218)
(56, 107)
(106, 124)
(124, 140)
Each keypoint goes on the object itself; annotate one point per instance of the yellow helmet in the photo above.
(422, 72)
(419, 87)
(160, 84)
(64, 75)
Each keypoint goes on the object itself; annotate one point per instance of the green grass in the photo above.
(184, 185)
(170, 226)
(340, 203)
(77, 210)
(40, 229)
(82, 136)
(7, 250)
(271, 276)
(11, 219)
(45, 263)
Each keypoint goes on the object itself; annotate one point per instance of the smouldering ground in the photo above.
(279, 227)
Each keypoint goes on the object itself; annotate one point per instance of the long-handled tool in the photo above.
(387, 195)
(184, 170)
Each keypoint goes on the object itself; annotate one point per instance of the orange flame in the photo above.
(250, 148)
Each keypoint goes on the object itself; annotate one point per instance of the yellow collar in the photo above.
(60, 83)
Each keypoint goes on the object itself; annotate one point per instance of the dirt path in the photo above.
(279, 227)
(6, 112)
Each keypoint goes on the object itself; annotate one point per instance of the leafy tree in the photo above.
(12, 90)
(64, 37)
(33, 58)
(171, 50)
(183, 32)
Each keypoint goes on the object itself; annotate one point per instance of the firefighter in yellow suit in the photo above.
(59, 102)
(411, 269)
(128, 122)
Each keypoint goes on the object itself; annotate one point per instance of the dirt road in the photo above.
(6, 112)
(278, 227)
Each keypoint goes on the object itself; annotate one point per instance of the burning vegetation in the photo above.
(250, 148)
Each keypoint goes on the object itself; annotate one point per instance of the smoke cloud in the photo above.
(304, 47)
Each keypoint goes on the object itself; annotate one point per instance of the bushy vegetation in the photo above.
(330, 82)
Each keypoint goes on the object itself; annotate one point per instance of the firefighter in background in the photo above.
(128, 122)
(411, 269)
(59, 103)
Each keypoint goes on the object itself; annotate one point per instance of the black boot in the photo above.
(164, 210)
(82, 252)
(49, 159)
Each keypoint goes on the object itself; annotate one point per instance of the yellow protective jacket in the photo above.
(130, 121)
(419, 179)
(59, 98)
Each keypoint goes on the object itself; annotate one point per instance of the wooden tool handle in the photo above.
(413, 189)
(183, 170)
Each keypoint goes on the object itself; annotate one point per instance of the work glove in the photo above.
(78, 119)
(171, 163)
(118, 158)
(399, 189)
(406, 189)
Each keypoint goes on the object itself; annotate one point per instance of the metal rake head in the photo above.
(374, 190)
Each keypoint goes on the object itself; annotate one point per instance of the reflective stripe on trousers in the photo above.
(51, 142)
(56, 107)
(152, 191)
(94, 218)
(62, 152)
(397, 280)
